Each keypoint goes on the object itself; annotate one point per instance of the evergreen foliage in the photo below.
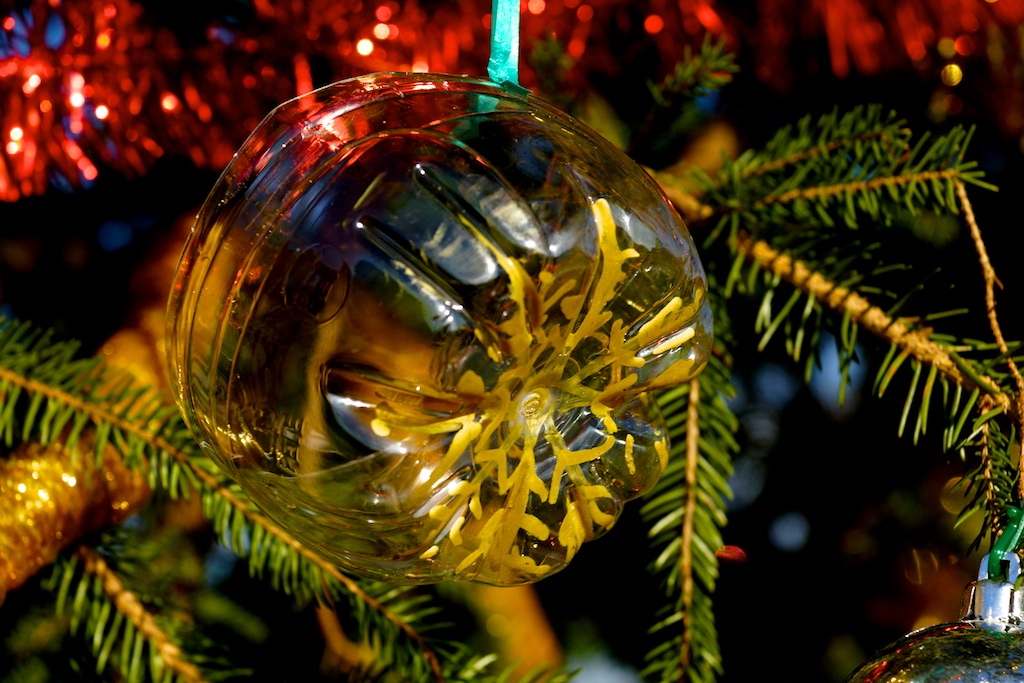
(675, 109)
(132, 635)
(799, 227)
(805, 221)
(686, 510)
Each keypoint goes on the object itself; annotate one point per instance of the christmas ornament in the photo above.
(52, 498)
(985, 646)
(419, 320)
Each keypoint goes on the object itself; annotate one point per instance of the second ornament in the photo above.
(985, 646)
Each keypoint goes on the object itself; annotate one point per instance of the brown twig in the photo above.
(856, 186)
(991, 281)
(686, 552)
(128, 604)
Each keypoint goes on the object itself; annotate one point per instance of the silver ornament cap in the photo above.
(996, 604)
(985, 646)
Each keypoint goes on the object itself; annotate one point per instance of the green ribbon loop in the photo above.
(503, 66)
(1006, 543)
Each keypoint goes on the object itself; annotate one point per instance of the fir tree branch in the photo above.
(694, 210)
(992, 479)
(136, 421)
(707, 71)
(822, 191)
(686, 510)
(686, 553)
(913, 342)
(216, 486)
(258, 519)
(128, 604)
(671, 99)
(842, 170)
(818, 151)
(131, 636)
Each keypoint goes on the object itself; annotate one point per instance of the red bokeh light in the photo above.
(654, 24)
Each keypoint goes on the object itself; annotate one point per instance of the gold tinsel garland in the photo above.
(51, 498)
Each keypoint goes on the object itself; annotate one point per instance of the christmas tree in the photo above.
(846, 456)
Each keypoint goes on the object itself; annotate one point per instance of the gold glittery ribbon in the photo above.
(50, 498)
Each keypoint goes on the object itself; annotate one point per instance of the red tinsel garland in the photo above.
(92, 84)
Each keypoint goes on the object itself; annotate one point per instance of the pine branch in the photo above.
(992, 480)
(782, 209)
(118, 626)
(128, 603)
(857, 187)
(863, 129)
(686, 509)
(839, 171)
(851, 134)
(690, 511)
(829, 172)
(974, 400)
(673, 99)
(908, 340)
(150, 435)
(890, 132)
(707, 71)
(989, 486)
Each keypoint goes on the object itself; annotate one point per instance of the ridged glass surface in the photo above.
(946, 653)
(419, 319)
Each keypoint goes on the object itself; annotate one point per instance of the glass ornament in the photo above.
(419, 320)
(985, 646)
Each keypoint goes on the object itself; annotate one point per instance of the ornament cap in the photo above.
(996, 604)
(984, 646)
